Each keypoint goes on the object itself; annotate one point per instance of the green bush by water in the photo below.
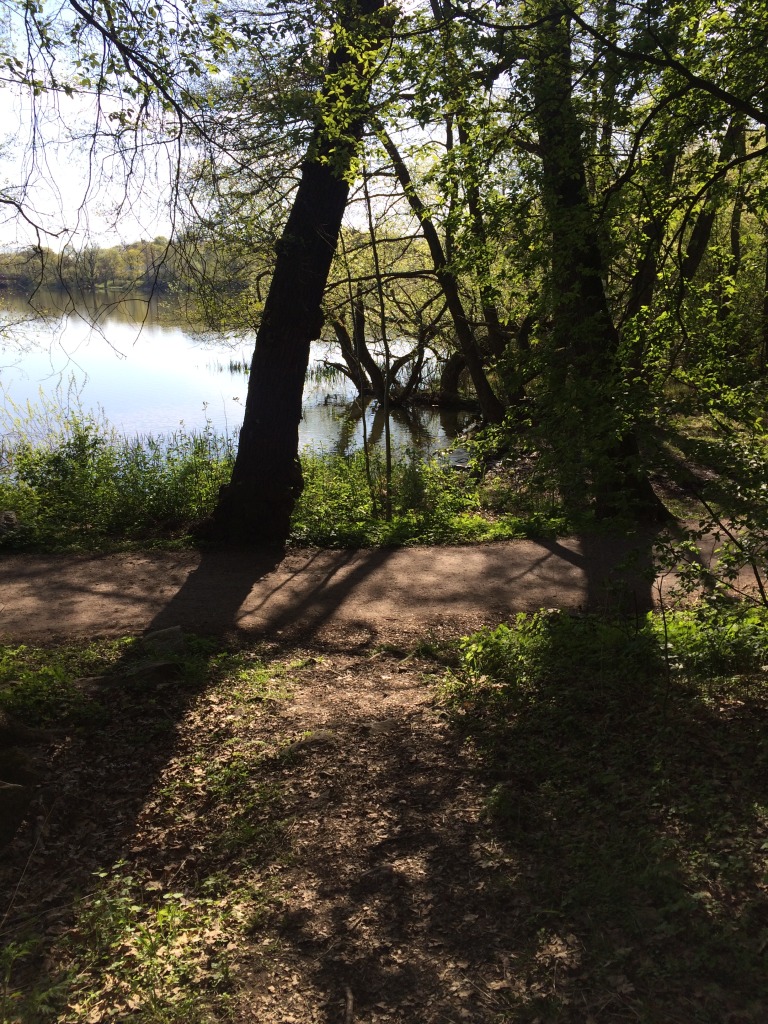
(431, 503)
(83, 485)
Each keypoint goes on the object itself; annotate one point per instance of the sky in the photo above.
(72, 192)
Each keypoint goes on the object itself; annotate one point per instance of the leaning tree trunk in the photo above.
(256, 506)
(490, 405)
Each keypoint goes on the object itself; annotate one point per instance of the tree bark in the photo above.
(702, 228)
(449, 379)
(491, 407)
(594, 448)
(256, 506)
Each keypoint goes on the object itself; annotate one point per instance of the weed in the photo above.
(86, 486)
(37, 683)
(432, 503)
(136, 951)
(251, 681)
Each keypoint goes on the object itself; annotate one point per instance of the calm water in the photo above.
(149, 374)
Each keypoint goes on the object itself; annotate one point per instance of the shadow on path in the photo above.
(618, 572)
(86, 814)
(217, 596)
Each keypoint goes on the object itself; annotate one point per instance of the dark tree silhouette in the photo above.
(255, 508)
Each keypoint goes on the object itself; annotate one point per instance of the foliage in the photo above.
(714, 640)
(74, 482)
(537, 655)
(149, 959)
(84, 485)
(147, 266)
(37, 684)
(432, 503)
(540, 656)
(720, 458)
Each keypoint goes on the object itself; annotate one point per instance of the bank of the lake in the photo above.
(121, 424)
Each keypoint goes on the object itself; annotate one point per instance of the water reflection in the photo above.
(100, 306)
(140, 362)
(422, 428)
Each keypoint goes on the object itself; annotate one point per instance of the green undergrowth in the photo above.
(164, 835)
(627, 774)
(49, 686)
(344, 503)
(38, 685)
(82, 485)
(78, 484)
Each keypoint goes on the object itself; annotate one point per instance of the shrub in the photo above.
(87, 485)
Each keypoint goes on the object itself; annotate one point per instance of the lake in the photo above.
(149, 373)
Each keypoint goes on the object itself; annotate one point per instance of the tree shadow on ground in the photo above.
(596, 853)
(618, 572)
(212, 597)
(122, 730)
(634, 818)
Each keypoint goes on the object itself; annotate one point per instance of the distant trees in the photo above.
(148, 266)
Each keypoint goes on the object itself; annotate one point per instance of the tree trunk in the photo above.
(594, 448)
(702, 228)
(256, 506)
(492, 408)
(763, 354)
(455, 364)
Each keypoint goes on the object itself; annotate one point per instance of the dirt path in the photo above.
(391, 890)
(343, 826)
(316, 820)
(310, 592)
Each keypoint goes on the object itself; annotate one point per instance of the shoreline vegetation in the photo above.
(79, 484)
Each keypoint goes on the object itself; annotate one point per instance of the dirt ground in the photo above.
(306, 593)
(394, 908)
(397, 902)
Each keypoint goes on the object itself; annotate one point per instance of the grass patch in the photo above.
(37, 684)
(626, 770)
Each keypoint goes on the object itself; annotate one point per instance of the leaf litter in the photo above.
(292, 835)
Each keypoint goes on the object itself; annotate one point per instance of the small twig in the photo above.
(349, 1008)
(659, 587)
(354, 923)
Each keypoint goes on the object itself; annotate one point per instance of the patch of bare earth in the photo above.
(360, 881)
(390, 912)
